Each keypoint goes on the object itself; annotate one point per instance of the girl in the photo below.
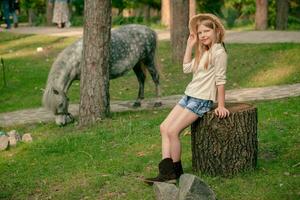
(209, 69)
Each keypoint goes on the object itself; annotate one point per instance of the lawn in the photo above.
(249, 65)
(106, 161)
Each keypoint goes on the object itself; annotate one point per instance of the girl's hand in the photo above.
(192, 40)
(221, 112)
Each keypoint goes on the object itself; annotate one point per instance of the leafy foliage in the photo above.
(210, 6)
(37, 6)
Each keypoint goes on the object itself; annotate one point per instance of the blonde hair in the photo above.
(200, 48)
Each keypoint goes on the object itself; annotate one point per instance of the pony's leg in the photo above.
(141, 79)
(155, 77)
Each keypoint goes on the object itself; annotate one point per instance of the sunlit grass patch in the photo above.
(274, 76)
(260, 65)
(27, 46)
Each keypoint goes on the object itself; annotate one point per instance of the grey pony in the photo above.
(131, 47)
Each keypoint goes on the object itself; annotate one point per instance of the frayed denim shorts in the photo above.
(197, 106)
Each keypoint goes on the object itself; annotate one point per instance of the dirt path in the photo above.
(238, 95)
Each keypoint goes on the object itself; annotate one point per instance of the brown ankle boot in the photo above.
(178, 169)
(166, 173)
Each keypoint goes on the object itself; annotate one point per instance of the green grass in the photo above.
(26, 69)
(105, 161)
(249, 65)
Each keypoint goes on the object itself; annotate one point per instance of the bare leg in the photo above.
(178, 119)
(169, 168)
(163, 130)
(184, 120)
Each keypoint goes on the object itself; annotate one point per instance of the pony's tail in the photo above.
(157, 65)
(157, 62)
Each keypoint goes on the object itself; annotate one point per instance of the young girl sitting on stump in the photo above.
(209, 76)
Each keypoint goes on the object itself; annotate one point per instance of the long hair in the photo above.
(200, 48)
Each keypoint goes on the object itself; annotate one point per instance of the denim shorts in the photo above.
(197, 106)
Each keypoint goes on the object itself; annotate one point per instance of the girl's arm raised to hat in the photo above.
(189, 48)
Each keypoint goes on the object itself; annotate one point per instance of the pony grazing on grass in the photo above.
(131, 47)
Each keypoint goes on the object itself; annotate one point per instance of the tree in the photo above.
(282, 11)
(179, 28)
(94, 81)
(261, 15)
(120, 5)
(210, 6)
(33, 8)
(224, 147)
(193, 7)
(49, 12)
(165, 12)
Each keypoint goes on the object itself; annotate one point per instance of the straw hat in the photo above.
(205, 16)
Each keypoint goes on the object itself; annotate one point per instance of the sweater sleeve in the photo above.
(188, 67)
(220, 67)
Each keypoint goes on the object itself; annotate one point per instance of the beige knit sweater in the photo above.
(205, 81)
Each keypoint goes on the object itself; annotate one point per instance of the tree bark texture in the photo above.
(94, 81)
(31, 16)
(261, 15)
(282, 12)
(224, 147)
(193, 7)
(179, 28)
(165, 12)
(146, 12)
(49, 12)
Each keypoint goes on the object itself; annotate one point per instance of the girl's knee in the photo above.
(168, 131)
(173, 134)
(164, 130)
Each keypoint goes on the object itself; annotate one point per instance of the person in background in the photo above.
(6, 12)
(10, 8)
(60, 13)
(1, 15)
(15, 11)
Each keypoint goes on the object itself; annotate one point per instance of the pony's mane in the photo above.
(65, 60)
(47, 99)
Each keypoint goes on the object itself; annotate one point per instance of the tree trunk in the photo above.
(165, 12)
(147, 16)
(49, 12)
(31, 16)
(94, 81)
(282, 12)
(261, 15)
(225, 146)
(179, 28)
(193, 7)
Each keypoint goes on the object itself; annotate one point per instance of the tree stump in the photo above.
(227, 146)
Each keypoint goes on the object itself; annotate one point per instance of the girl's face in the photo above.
(206, 35)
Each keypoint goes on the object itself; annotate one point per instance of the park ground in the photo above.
(107, 160)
